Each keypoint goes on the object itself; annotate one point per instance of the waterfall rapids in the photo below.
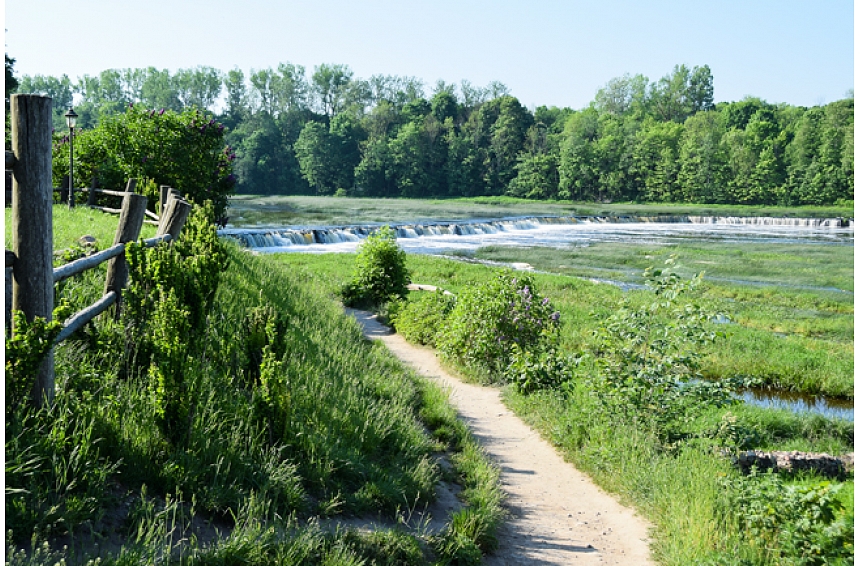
(293, 238)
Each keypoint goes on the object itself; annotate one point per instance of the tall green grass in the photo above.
(357, 434)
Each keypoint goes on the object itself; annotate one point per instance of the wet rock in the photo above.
(795, 461)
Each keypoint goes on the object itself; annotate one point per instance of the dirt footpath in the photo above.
(557, 514)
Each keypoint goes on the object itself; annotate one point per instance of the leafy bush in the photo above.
(26, 350)
(380, 272)
(165, 309)
(185, 150)
(421, 320)
(171, 364)
(795, 524)
(547, 368)
(649, 367)
(190, 267)
(491, 318)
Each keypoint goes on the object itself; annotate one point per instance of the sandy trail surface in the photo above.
(557, 514)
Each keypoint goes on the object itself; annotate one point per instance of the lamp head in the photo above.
(71, 117)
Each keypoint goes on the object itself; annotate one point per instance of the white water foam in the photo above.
(559, 232)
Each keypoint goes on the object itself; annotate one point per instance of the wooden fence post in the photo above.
(7, 303)
(128, 230)
(173, 218)
(91, 197)
(164, 191)
(32, 229)
(131, 185)
(64, 189)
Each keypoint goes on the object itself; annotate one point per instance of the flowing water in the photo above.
(459, 236)
(442, 237)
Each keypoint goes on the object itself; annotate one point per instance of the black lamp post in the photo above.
(70, 120)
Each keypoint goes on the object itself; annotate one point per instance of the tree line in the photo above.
(329, 132)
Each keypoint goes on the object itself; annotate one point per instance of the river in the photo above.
(443, 237)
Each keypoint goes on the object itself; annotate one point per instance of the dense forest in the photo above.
(638, 140)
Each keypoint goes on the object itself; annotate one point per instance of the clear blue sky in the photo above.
(547, 52)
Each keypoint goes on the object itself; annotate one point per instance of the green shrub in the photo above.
(421, 320)
(25, 351)
(493, 317)
(380, 272)
(793, 524)
(649, 357)
(547, 368)
(171, 364)
(191, 268)
(265, 329)
(185, 150)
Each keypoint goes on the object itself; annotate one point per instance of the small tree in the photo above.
(380, 272)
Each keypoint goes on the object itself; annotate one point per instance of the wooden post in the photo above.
(64, 189)
(164, 191)
(173, 218)
(32, 231)
(128, 230)
(131, 185)
(7, 303)
(91, 197)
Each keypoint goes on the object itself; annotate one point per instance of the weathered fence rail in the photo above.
(79, 319)
(29, 266)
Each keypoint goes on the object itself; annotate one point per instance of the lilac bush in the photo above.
(493, 319)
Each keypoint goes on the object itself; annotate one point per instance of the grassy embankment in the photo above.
(693, 496)
(248, 210)
(341, 429)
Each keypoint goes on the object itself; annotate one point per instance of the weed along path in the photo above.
(557, 515)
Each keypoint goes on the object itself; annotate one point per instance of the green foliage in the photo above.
(170, 330)
(492, 317)
(649, 356)
(164, 311)
(802, 524)
(184, 150)
(380, 272)
(26, 350)
(658, 141)
(546, 368)
(423, 319)
(190, 268)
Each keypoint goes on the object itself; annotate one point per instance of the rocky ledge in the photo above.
(794, 461)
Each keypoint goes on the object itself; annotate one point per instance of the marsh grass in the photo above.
(250, 210)
(790, 266)
(798, 340)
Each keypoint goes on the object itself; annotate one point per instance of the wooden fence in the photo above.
(29, 265)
